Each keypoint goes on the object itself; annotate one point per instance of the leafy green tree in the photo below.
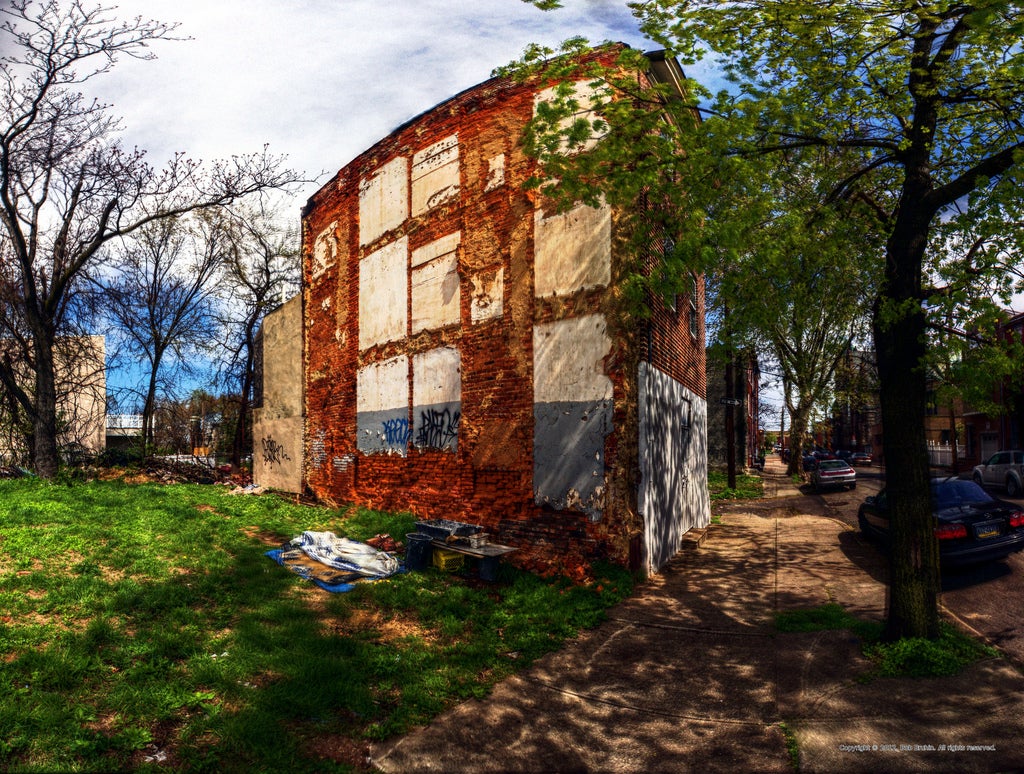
(922, 102)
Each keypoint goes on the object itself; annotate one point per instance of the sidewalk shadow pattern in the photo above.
(689, 674)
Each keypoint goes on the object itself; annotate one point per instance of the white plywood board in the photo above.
(383, 386)
(383, 200)
(437, 377)
(383, 289)
(436, 299)
(572, 250)
(568, 360)
(584, 95)
(435, 174)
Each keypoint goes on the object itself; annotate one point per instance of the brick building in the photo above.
(463, 358)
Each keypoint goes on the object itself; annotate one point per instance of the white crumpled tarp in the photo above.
(344, 554)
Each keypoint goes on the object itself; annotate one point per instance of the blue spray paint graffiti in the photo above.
(396, 431)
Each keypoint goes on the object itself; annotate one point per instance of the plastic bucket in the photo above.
(417, 551)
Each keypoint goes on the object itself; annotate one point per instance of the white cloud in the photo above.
(322, 80)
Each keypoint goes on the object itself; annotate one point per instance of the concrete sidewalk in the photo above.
(690, 675)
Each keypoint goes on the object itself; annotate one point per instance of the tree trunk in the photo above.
(900, 345)
(148, 409)
(797, 434)
(45, 457)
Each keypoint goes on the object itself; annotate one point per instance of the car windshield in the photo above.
(949, 494)
(833, 465)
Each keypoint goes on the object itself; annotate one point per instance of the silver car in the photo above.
(835, 474)
(1005, 468)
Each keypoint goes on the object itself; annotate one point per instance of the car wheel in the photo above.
(1012, 487)
(853, 486)
(977, 479)
(863, 524)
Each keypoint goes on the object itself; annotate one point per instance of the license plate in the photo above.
(987, 532)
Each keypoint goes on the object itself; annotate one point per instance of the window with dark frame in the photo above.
(668, 245)
(693, 305)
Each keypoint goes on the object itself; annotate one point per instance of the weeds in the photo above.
(747, 487)
(948, 655)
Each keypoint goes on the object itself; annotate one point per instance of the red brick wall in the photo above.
(489, 479)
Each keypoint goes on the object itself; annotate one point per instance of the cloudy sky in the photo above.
(322, 80)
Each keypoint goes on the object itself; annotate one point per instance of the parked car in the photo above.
(809, 461)
(844, 454)
(1004, 469)
(971, 525)
(833, 474)
(860, 458)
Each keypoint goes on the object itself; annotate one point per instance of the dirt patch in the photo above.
(264, 536)
(340, 749)
(386, 629)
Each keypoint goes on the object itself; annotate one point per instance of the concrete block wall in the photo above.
(278, 419)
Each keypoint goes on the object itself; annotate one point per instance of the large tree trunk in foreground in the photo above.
(899, 327)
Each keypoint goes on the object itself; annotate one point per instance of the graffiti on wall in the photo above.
(273, 452)
(438, 428)
(396, 431)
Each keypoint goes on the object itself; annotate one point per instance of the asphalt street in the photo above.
(989, 598)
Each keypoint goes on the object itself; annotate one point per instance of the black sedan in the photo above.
(971, 525)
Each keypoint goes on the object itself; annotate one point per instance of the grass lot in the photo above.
(747, 487)
(142, 628)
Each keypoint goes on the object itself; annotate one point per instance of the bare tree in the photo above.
(68, 187)
(160, 300)
(261, 271)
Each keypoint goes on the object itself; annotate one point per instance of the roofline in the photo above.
(664, 69)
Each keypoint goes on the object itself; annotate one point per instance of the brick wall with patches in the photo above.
(459, 357)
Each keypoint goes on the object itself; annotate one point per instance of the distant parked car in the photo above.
(971, 525)
(860, 458)
(809, 462)
(1005, 469)
(833, 474)
(844, 454)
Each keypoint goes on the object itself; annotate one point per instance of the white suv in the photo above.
(1005, 468)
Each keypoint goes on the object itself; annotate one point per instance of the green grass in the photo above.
(137, 619)
(948, 655)
(747, 487)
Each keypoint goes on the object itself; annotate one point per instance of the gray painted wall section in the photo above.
(383, 432)
(673, 496)
(568, 454)
(436, 426)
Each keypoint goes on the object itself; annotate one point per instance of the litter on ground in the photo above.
(334, 563)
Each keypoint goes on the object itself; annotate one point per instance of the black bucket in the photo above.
(417, 551)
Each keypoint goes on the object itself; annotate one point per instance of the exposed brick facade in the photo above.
(482, 321)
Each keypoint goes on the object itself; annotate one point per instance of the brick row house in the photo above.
(463, 359)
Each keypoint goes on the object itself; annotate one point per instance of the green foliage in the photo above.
(827, 617)
(920, 657)
(149, 615)
(792, 745)
(909, 657)
(884, 133)
(747, 487)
